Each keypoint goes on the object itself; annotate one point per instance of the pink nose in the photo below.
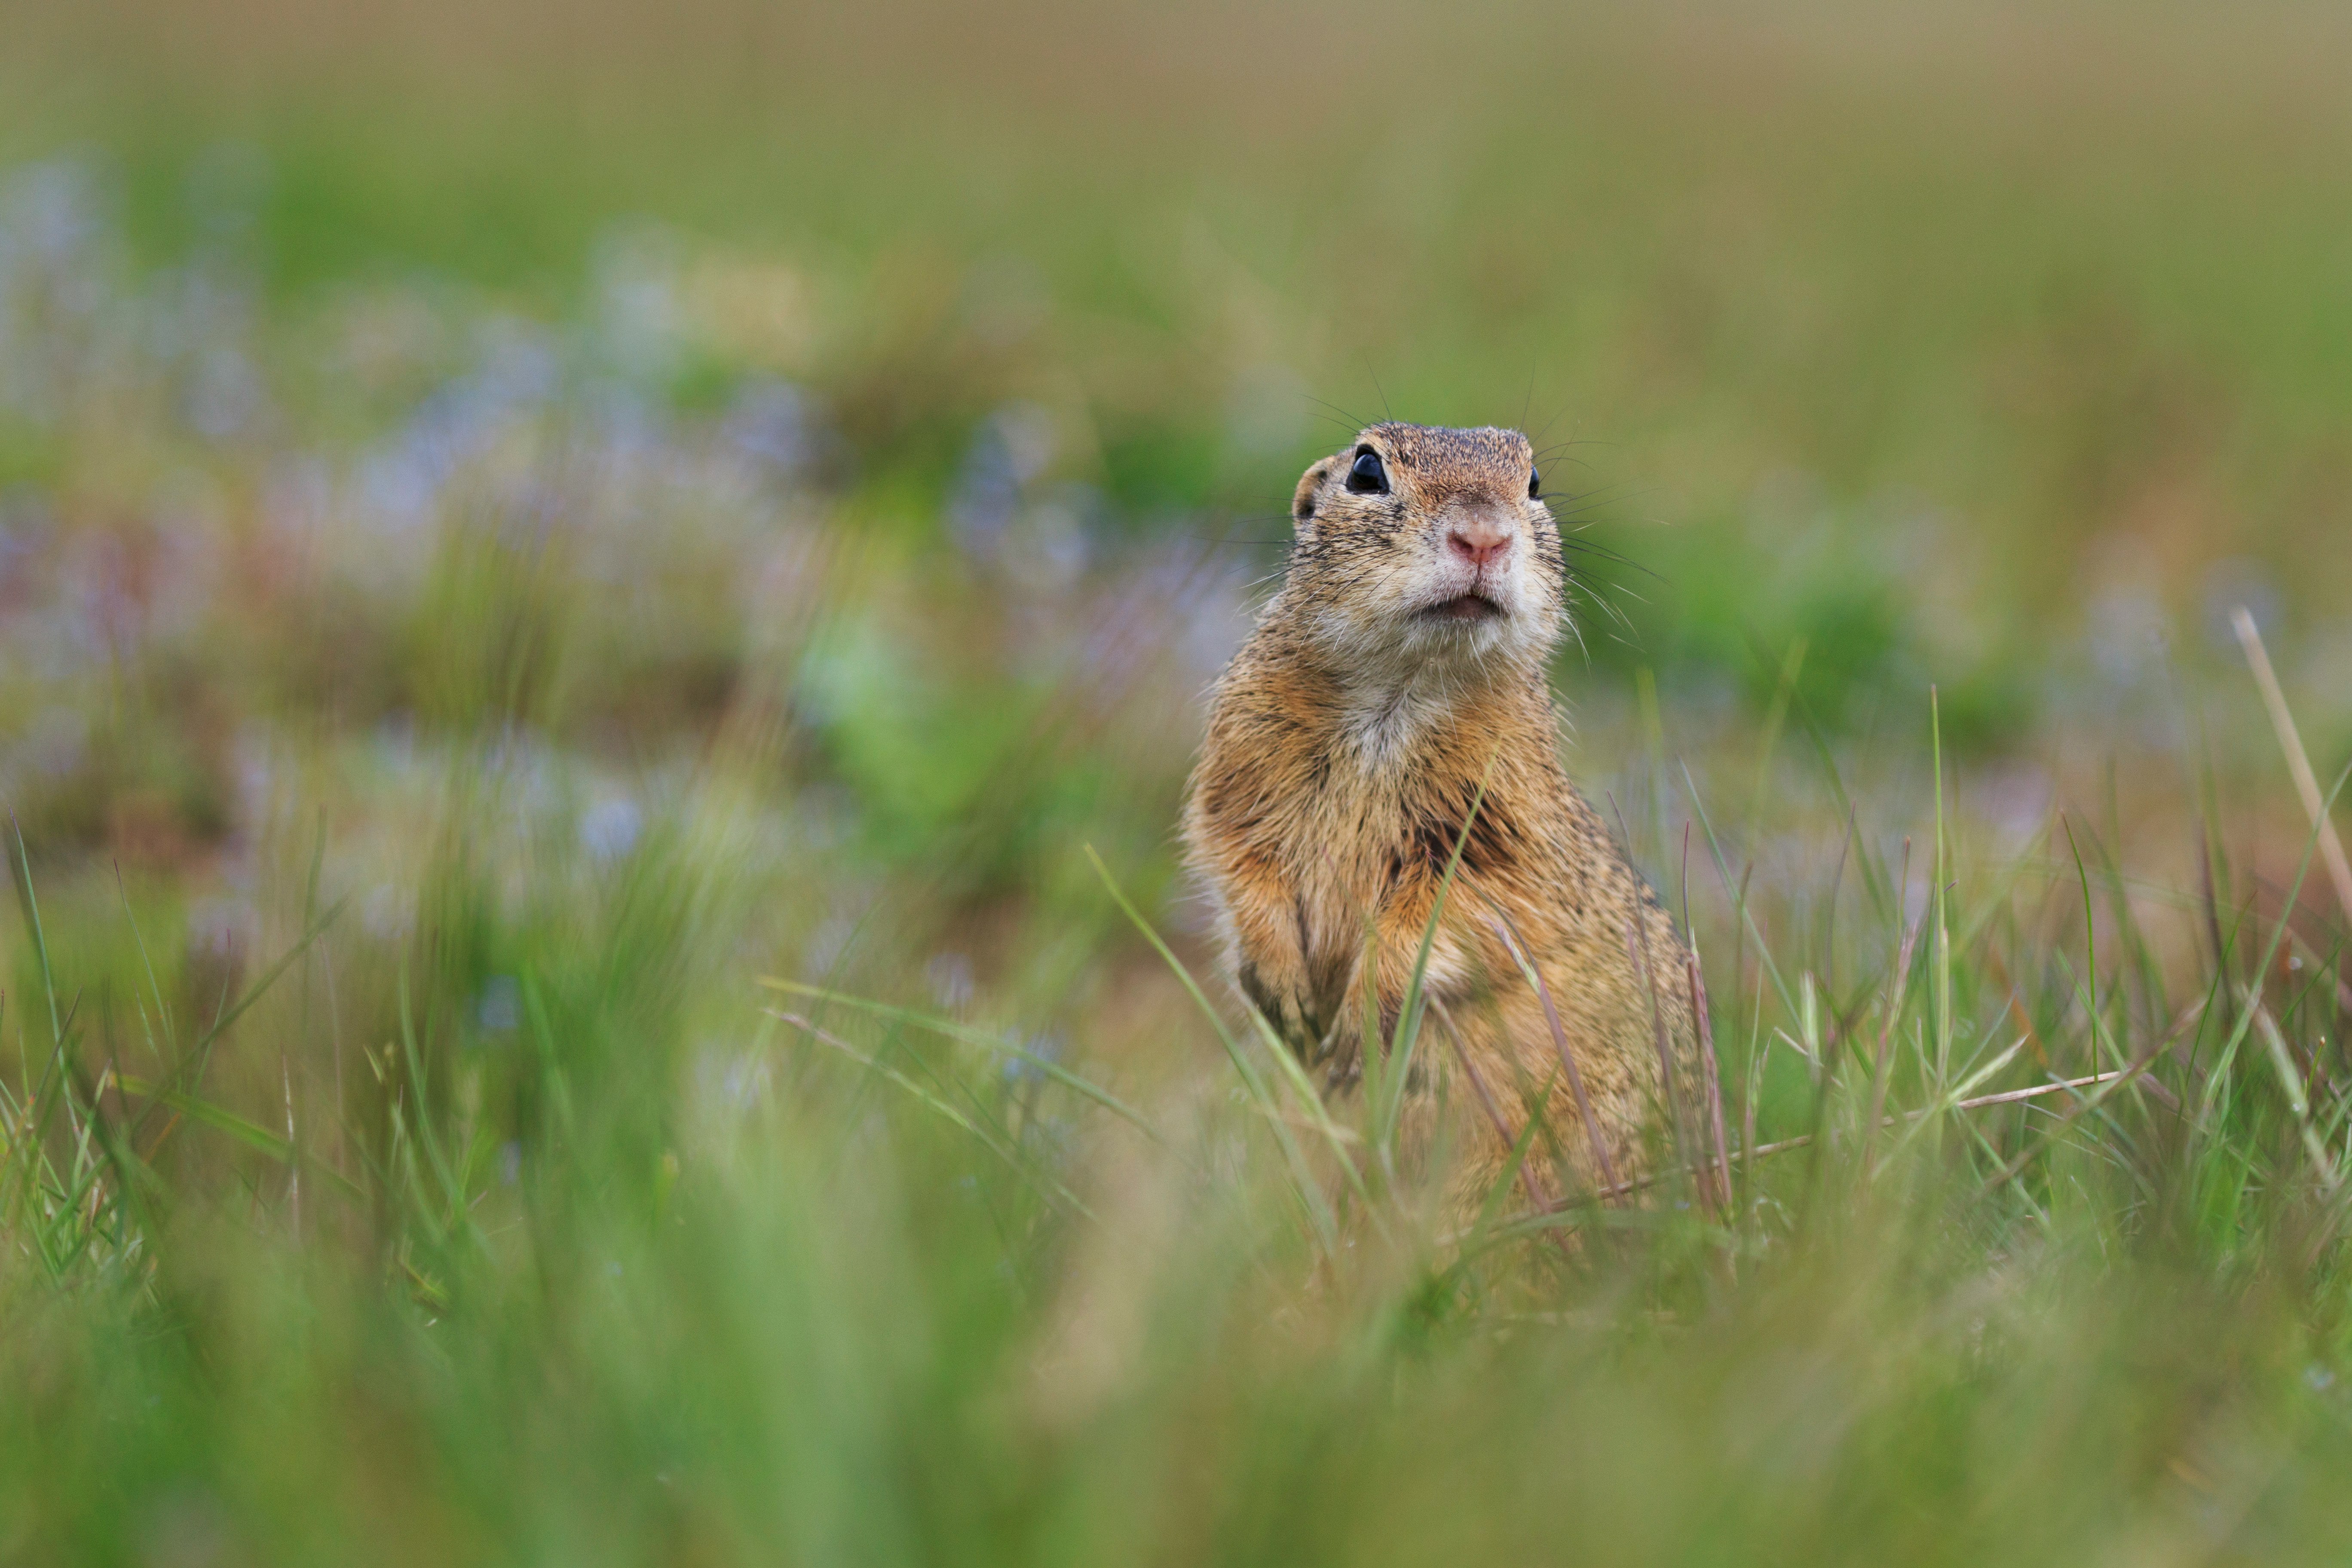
(1479, 540)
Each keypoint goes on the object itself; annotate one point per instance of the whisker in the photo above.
(1339, 416)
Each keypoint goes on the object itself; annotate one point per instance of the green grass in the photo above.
(601, 623)
(593, 1264)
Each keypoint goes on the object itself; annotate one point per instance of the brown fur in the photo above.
(1346, 743)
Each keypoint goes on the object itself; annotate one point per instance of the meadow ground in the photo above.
(602, 618)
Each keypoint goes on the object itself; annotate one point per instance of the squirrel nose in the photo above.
(1478, 540)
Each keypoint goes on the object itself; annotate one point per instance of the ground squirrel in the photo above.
(1404, 661)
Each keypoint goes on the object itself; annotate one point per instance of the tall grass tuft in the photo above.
(2030, 1249)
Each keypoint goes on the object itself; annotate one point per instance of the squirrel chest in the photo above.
(1345, 824)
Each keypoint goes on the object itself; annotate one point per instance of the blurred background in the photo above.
(892, 410)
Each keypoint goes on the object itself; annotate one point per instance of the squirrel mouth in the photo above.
(1473, 607)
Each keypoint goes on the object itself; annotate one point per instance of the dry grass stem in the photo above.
(1487, 1103)
(2306, 783)
(1712, 1081)
(1978, 1102)
(1896, 983)
(1601, 1164)
(1637, 947)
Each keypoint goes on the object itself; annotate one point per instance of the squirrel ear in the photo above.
(1302, 504)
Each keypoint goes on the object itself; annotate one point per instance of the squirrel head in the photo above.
(1419, 545)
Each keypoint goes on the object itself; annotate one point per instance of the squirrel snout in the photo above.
(1480, 540)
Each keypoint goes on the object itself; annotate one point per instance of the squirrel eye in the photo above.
(1367, 476)
(1534, 485)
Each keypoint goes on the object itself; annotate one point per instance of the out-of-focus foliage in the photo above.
(1990, 344)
